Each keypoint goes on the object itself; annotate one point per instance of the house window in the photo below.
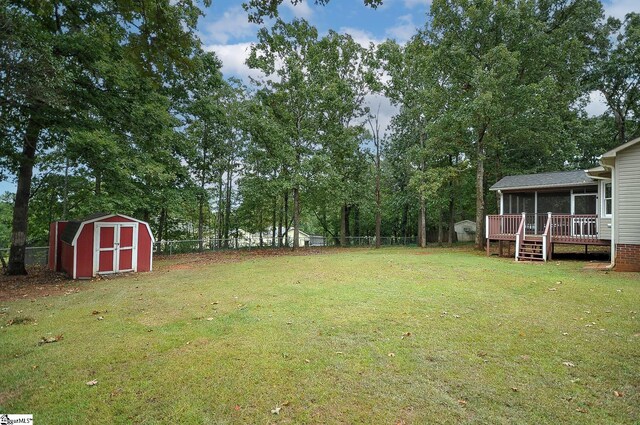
(607, 202)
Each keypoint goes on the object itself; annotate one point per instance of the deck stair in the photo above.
(530, 250)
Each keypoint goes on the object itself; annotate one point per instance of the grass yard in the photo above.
(393, 336)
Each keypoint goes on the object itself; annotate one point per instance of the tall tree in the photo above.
(511, 71)
(615, 73)
(286, 55)
(65, 59)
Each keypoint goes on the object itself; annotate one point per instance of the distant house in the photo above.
(600, 206)
(253, 239)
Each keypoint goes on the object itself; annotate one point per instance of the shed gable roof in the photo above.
(544, 180)
(70, 233)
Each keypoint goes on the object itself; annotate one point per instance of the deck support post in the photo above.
(488, 247)
(500, 247)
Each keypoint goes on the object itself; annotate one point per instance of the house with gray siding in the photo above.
(600, 206)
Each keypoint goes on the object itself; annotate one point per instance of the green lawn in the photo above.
(363, 336)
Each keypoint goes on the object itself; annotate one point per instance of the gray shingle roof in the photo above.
(543, 180)
(73, 226)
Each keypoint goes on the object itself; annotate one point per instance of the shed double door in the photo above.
(115, 247)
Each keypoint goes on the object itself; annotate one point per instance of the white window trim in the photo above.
(603, 204)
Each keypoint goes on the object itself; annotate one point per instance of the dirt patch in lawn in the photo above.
(193, 260)
(42, 282)
(39, 282)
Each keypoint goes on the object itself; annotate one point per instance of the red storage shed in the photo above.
(100, 244)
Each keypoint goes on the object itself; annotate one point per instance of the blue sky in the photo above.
(225, 30)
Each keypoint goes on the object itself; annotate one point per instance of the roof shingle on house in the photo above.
(544, 180)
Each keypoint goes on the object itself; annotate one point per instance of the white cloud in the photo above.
(596, 105)
(233, 57)
(383, 108)
(619, 8)
(232, 25)
(362, 37)
(300, 10)
(404, 29)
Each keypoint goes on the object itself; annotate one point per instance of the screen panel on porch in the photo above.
(516, 203)
(554, 202)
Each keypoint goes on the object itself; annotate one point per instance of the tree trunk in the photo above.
(480, 190)
(422, 224)
(220, 220)
(273, 221)
(201, 222)
(227, 211)
(65, 192)
(296, 217)
(440, 229)
(356, 221)
(20, 222)
(280, 227)
(286, 218)
(98, 189)
(161, 225)
(203, 177)
(378, 204)
(405, 220)
(451, 219)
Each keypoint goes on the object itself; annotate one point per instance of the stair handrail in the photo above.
(546, 238)
(520, 234)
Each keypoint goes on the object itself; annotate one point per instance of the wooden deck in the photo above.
(536, 234)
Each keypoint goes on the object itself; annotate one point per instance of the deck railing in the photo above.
(503, 224)
(576, 228)
(582, 227)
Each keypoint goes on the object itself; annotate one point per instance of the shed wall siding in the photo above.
(627, 208)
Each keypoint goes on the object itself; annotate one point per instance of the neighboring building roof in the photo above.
(613, 152)
(543, 180)
(465, 222)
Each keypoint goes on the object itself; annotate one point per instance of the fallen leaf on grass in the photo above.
(553, 289)
(568, 364)
(92, 383)
(236, 408)
(618, 393)
(462, 403)
(100, 318)
(276, 411)
(209, 319)
(581, 410)
(514, 389)
(51, 339)
(405, 335)
(391, 354)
